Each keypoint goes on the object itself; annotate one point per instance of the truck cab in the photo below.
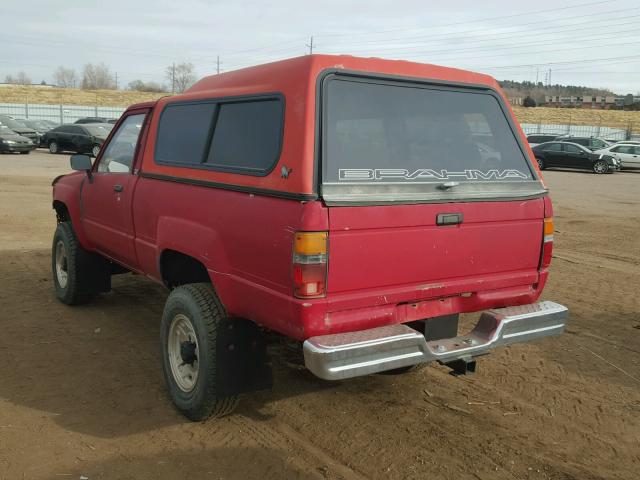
(357, 206)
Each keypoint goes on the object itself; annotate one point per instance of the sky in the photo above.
(591, 43)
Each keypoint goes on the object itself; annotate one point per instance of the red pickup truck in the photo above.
(355, 205)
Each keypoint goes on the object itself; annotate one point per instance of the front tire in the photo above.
(541, 164)
(600, 167)
(95, 150)
(192, 319)
(54, 147)
(66, 266)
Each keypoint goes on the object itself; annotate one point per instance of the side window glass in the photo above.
(572, 149)
(183, 133)
(247, 136)
(118, 156)
(554, 147)
(636, 150)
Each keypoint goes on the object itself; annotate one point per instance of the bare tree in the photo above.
(96, 77)
(140, 86)
(65, 77)
(20, 79)
(180, 76)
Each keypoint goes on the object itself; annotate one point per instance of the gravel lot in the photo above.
(81, 389)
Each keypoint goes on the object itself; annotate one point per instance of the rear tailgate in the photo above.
(401, 245)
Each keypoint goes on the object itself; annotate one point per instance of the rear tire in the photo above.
(54, 147)
(600, 167)
(25, 153)
(189, 329)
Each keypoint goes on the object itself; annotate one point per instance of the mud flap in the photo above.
(94, 272)
(242, 364)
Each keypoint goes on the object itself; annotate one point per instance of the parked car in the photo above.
(20, 128)
(81, 121)
(10, 141)
(592, 143)
(538, 138)
(51, 123)
(85, 138)
(627, 142)
(41, 127)
(627, 153)
(336, 200)
(573, 155)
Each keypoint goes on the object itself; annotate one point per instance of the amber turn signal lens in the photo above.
(310, 264)
(548, 229)
(310, 243)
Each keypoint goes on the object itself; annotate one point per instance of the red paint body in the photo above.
(386, 264)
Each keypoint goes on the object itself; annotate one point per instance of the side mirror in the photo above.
(81, 163)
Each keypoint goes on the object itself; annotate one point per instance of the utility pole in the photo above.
(218, 64)
(537, 72)
(549, 77)
(310, 45)
(173, 78)
(116, 80)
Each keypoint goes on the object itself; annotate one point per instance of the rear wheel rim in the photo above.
(95, 150)
(53, 147)
(62, 272)
(183, 351)
(600, 167)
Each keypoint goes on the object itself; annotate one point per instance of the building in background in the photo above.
(590, 101)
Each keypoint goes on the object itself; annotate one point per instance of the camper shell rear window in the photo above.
(392, 141)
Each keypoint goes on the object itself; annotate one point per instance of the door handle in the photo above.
(117, 188)
(449, 219)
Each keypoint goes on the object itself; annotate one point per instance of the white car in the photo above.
(627, 153)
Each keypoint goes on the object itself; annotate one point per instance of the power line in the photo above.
(535, 12)
(487, 48)
(285, 52)
(270, 52)
(546, 31)
(568, 62)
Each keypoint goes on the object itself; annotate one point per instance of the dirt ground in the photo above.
(82, 394)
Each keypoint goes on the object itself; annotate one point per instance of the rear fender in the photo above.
(194, 239)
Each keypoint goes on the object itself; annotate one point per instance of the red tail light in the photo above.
(310, 264)
(547, 243)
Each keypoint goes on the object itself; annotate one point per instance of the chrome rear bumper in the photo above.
(346, 355)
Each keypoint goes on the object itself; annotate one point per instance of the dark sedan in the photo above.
(10, 141)
(20, 128)
(87, 138)
(86, 120)
(40, 126)
(572, 155)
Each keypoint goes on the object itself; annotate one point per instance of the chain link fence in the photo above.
(70, 113)
(599, 131)
(58, 113)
